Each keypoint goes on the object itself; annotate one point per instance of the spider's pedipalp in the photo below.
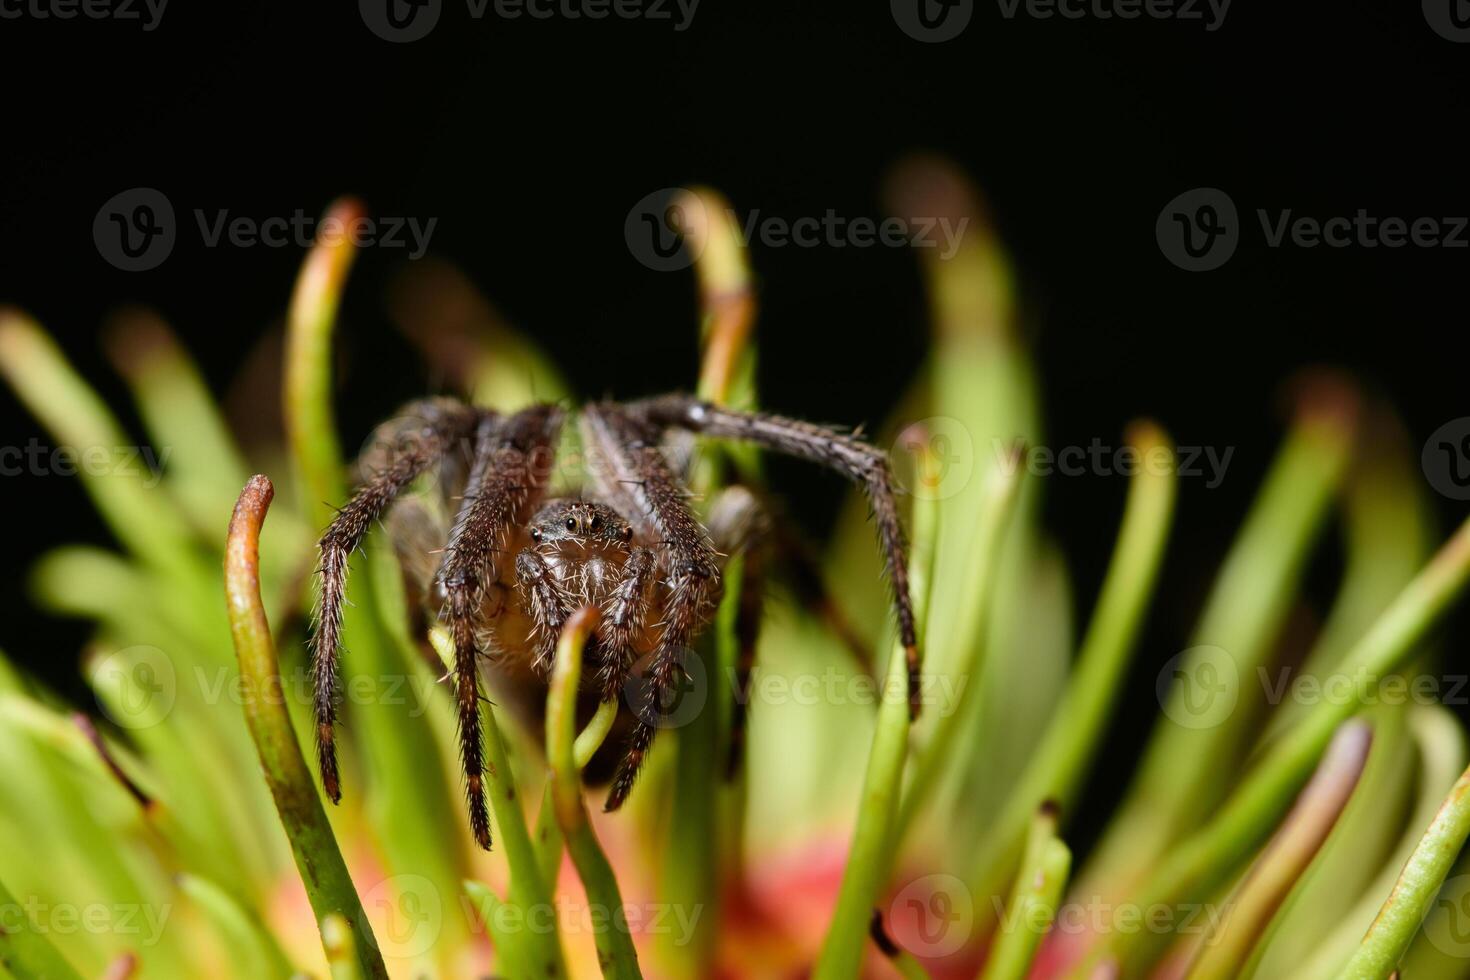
(510, 471)
(846, 454)
(623, 618)
(421, 435)
(548, 603)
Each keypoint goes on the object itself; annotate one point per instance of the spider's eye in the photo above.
(571, 523)
(627, 534)
(596, 522)
(535, 534)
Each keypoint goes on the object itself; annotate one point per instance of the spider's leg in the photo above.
(638, 475)
(740, 525)
(623, 618)
(548, 602)
(846, 454)
(512, 464)
(420, 436)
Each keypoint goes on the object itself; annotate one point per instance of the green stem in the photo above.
(1077, 726)
(937, 751)
(548, 836)
(1183, 773)
(1204, 858)
(323, 872)
(507, 942)
(1034, 897)
(528, 889)
(310, 428)
(1414, 893)
(876, 836)
(1285, 859)
(142, 517)
(614, 945)
(413, 810)
(341, 946)
(26, 953)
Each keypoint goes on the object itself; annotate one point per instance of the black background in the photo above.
(530, 140)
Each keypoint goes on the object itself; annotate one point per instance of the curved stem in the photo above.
(328, 886)
(614, 946)
(1414, 892)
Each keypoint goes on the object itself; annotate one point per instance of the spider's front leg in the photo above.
(422, 434)
(636, 477)
(848, 455)
(509, 473)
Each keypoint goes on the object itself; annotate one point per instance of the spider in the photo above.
(515, 563)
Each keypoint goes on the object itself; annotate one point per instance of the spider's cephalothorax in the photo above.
(514, 566)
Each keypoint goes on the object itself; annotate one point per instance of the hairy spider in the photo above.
(515, 565)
